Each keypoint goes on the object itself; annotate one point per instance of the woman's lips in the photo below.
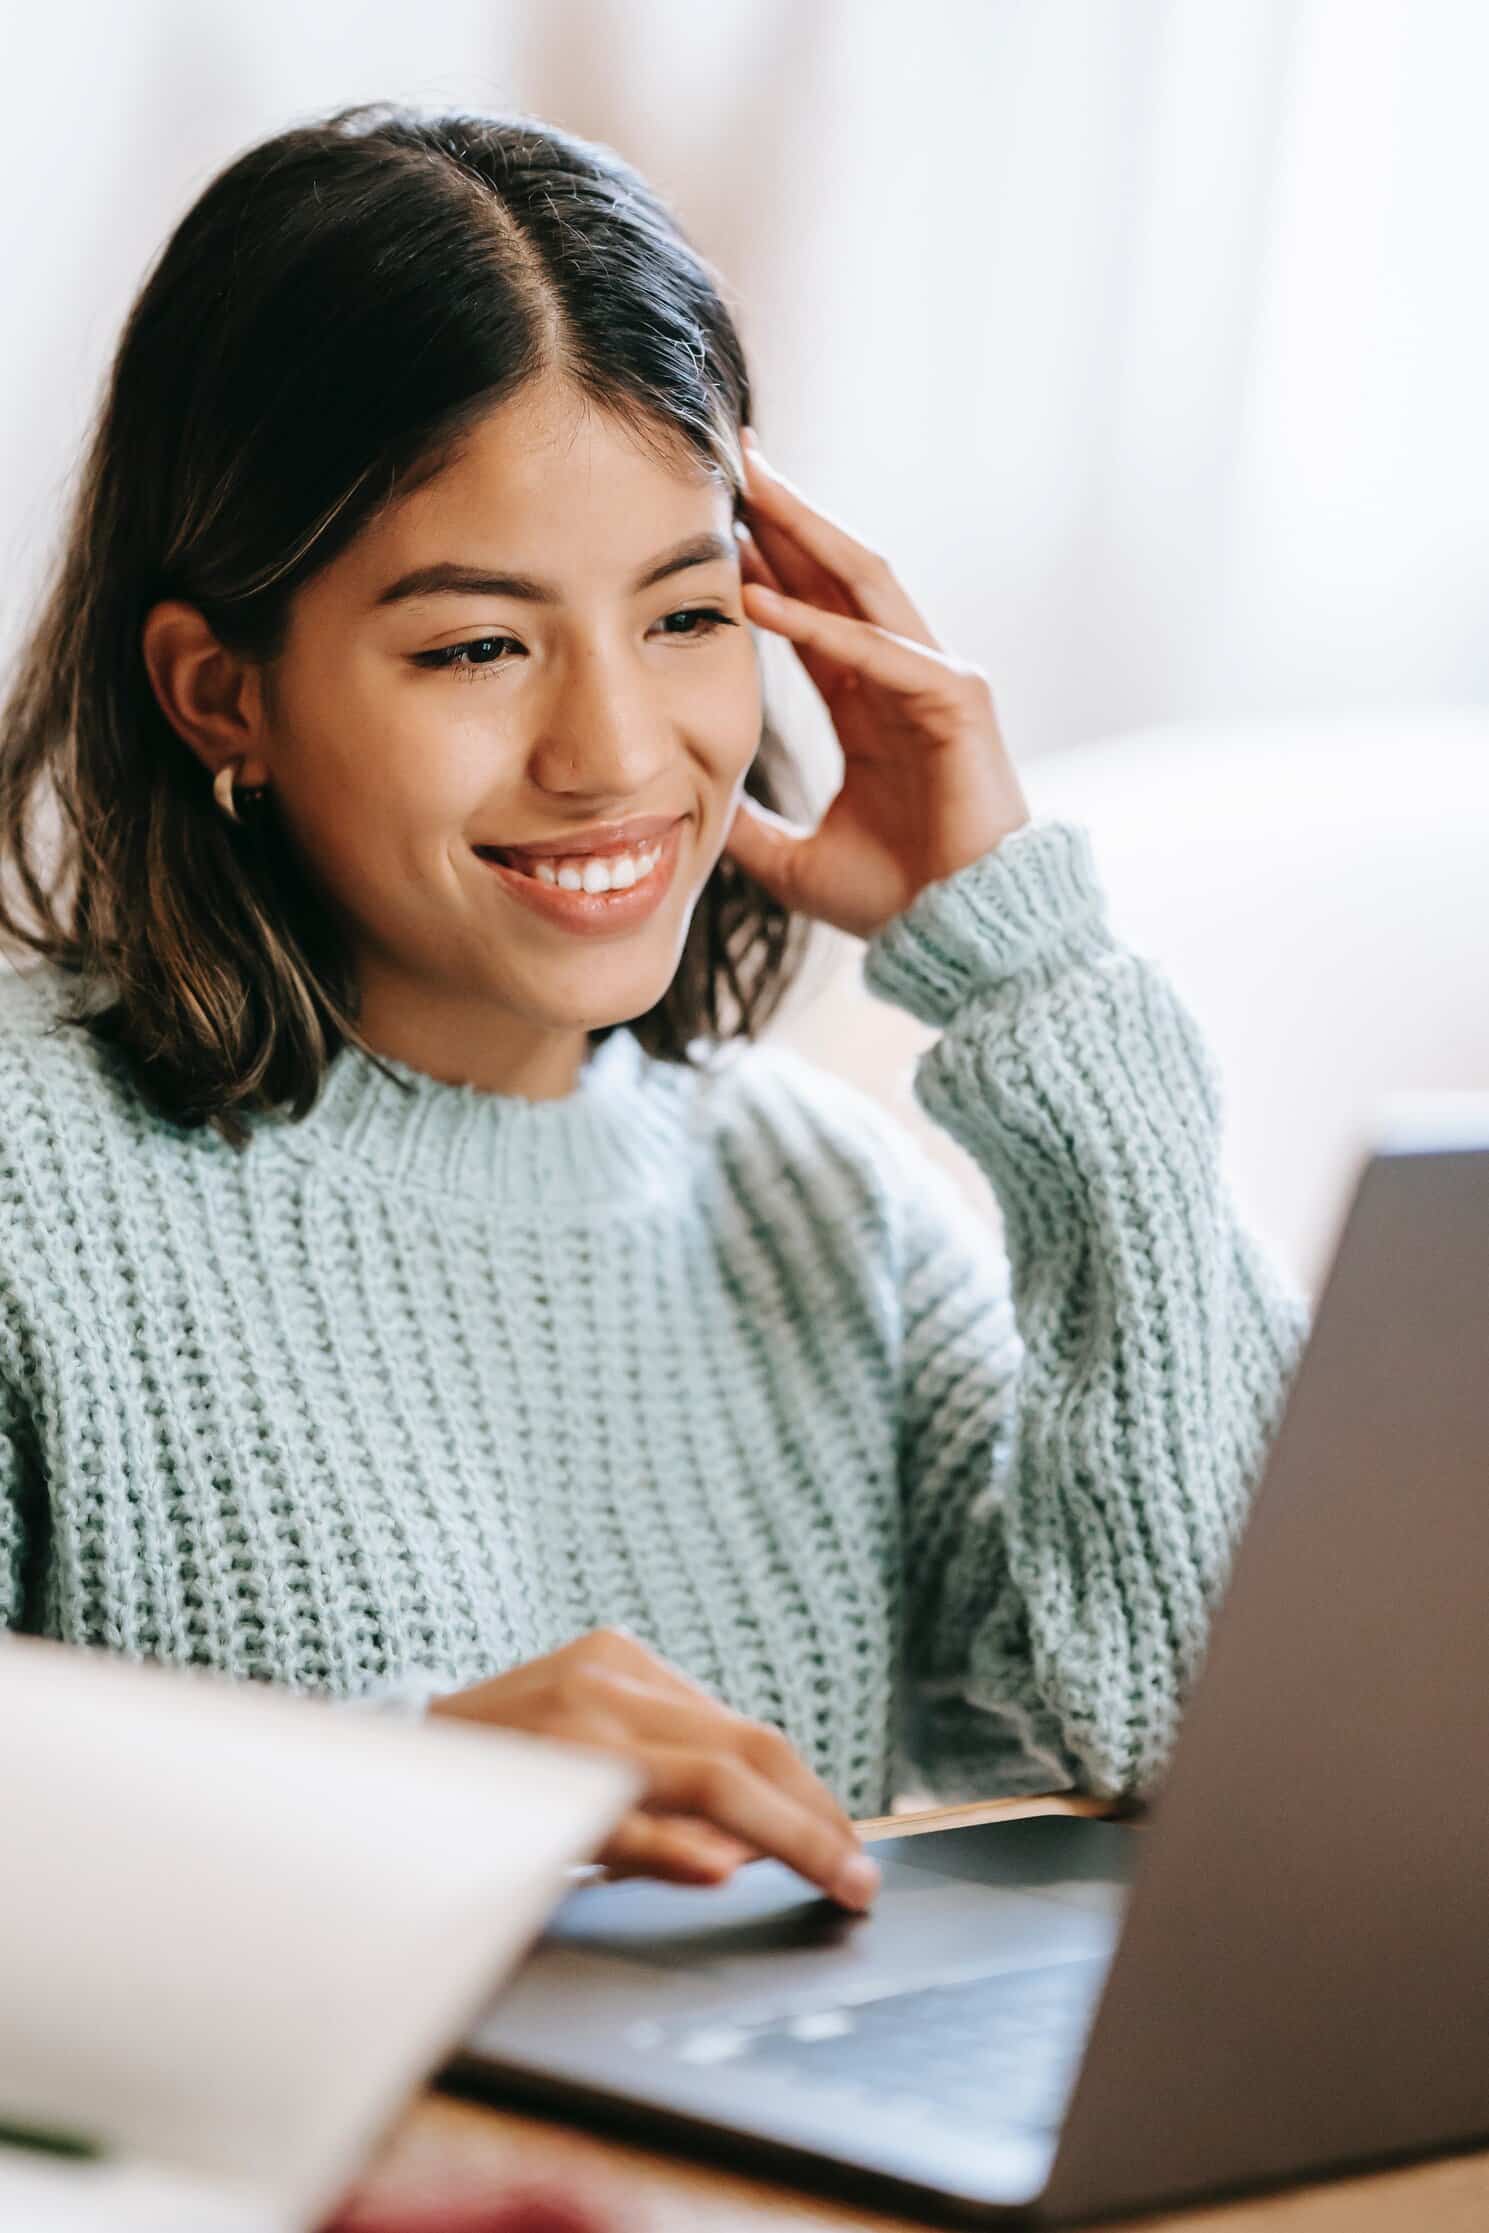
(602, 838)
(595, 914)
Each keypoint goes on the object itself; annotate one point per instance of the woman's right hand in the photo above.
(719, 1788)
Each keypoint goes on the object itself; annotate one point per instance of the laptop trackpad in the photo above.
(767, 1927)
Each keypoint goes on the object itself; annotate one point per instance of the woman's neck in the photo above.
(463, 1041)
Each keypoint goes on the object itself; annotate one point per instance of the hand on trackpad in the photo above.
(764, 1907)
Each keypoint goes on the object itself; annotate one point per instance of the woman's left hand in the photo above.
(928, 785)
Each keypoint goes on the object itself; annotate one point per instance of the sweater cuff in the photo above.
(1030, 907)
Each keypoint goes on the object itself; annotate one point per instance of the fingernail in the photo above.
(856, 1882)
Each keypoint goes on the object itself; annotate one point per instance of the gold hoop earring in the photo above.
(222, 788)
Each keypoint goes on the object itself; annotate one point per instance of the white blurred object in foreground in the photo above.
(238, 1927)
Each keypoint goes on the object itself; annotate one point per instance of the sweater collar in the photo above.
(613, 1138)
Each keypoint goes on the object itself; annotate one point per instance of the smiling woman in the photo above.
(511, 457)
(400, 789)
(413, 1284)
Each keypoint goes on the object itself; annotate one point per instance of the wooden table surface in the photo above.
(457, 2148)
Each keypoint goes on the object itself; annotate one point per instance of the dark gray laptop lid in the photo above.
(1304, 1974)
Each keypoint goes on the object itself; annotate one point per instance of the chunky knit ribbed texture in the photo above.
(433, 1380)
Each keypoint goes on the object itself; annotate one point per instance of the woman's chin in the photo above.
(597, 998)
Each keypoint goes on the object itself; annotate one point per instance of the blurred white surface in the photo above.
(241, 1926)
(1317, 892)
(40, 2194)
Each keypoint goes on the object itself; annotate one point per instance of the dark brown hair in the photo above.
(338, 308)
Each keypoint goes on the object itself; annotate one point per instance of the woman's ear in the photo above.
(211, 697)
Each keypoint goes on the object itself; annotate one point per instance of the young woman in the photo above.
(414, 1283)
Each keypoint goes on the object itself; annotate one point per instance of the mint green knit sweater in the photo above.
(433, 1380)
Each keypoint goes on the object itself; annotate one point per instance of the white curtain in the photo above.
(1147, 336)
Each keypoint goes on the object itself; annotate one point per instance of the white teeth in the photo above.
(608, 872)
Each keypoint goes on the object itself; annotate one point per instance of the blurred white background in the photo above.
(1149, 340)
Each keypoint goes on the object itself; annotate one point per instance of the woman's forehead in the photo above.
(594, 508)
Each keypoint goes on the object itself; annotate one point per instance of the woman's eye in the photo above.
(707, 615)
(481, 654)
(466, 661)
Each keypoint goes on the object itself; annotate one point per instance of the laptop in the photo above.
(1283, 1970)
(238, 1927)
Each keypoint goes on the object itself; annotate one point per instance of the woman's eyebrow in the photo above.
(448, 578)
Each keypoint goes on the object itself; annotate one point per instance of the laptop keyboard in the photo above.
(983, 2051)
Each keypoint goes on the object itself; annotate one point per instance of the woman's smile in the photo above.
(600, 894)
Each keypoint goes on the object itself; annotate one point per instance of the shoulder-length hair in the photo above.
(342, 303)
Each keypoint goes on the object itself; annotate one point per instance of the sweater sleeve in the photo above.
(1084, 1421)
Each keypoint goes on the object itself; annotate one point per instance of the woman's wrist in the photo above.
(1032, 903)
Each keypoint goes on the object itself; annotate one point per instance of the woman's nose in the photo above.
(605, 732)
